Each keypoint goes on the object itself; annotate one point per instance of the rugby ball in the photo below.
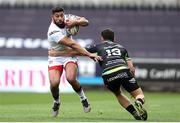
(73, 30)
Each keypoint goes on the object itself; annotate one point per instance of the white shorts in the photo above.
(61, 61)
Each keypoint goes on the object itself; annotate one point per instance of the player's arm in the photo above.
(71, 52)
(131, 66)
(75, 46)
(129, 62)
(65, 52)
(80, 21)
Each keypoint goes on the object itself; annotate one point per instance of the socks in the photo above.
(141, 100)
(55, 94)
(57, 100)
(131, 109)
(81, 93)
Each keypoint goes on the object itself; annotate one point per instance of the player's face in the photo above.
(58, 17)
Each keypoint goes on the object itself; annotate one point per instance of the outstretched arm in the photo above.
(65, 52)
(75, 46)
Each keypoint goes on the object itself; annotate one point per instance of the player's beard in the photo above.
(60, 25)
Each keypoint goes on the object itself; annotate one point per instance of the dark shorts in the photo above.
(114, 81)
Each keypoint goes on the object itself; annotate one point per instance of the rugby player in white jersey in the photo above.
(59, 40)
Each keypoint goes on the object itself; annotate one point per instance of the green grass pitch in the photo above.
(35, 107)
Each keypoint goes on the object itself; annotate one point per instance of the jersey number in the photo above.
(113, 52)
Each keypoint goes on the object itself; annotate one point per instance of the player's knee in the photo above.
(71, 79)
(54, 83)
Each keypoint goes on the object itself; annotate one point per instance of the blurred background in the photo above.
(149, 29)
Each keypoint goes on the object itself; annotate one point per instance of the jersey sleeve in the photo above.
(91, 48)
(56, 36)
(71, 16)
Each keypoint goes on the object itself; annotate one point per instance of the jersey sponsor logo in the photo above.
(120, 75)
(114, 62)
(132, 80)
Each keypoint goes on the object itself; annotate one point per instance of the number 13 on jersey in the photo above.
(113, 52)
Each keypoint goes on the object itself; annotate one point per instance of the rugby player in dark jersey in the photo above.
(117, 70)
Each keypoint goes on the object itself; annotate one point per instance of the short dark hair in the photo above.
(57, 9)
(108, 34)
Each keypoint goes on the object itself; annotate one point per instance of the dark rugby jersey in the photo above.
(113, 55)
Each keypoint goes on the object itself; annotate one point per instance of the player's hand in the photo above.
(95, 57)
(132, 70)
(70, 23)
(52, 53)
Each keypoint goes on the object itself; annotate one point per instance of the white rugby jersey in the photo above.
(55, 34)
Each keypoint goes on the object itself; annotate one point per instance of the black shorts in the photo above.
(114, 81)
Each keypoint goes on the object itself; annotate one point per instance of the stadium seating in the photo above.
(146, 33)
(138, 4)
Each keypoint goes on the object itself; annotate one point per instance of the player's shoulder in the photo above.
(119, 45)
(100, 44)
(53, 29)
(109, 43)
(91, 46)
(53, 26)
